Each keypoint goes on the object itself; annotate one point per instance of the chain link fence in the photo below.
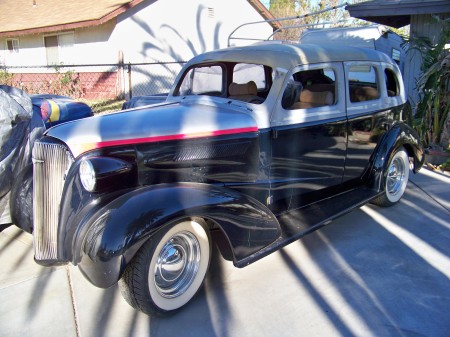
(104, 87)
(152, 78)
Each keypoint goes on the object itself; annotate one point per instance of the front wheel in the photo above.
(169, 269)
(396, 180)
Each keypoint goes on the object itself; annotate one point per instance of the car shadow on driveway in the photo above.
(383, 270)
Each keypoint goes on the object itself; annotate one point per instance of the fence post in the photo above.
(121, 85)
(130, 91)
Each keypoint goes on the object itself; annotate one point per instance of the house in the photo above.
(399, 13)
(376, 37)
(45, 36)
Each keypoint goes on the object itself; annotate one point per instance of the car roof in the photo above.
(287, 55)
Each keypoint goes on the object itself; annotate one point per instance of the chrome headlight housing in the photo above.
(99, 174)
(87, 175)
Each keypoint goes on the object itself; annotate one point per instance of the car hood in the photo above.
(168, 121)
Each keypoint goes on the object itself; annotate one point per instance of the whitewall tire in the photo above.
(169, 269)
(396, 179)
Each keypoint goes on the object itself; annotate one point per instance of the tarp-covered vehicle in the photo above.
(57, 109)
(20, 126)
(253, 148)
(23, 120)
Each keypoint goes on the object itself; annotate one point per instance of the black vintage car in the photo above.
(253, 148)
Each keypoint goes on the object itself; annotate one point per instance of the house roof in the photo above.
(21, 17)
(397, 13)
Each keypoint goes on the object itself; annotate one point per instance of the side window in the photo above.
(362, 82)
(244, 72)
(202, 80)
(391, 83)
(310, 89)
(249, 83)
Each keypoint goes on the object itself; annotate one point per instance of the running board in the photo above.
(302, 221)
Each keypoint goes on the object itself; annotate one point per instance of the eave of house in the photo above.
(23, 17)
(264, 12)
(397, 13)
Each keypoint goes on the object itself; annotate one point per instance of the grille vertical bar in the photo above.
(50, 164)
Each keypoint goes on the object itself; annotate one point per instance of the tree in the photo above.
(301, 8)
(284, 9)
(433, 85)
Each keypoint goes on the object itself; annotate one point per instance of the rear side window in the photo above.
(362, 82)
(391, 83)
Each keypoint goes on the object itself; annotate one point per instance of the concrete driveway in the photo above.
(374, 272)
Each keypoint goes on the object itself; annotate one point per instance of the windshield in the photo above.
(239, 81)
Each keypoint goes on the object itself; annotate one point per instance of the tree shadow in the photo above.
(320, 301)
(10, 240)
(157, 81)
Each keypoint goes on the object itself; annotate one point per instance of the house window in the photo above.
(58, 48)
(13, 45)
(396, 54)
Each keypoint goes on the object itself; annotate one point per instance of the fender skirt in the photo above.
(118, 230)
(400, 135)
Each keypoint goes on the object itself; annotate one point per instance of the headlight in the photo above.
(100, 174)
(87, 175)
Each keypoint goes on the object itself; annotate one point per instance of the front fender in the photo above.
(117, 230)
(400, 135)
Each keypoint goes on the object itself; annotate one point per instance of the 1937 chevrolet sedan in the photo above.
(254, 148)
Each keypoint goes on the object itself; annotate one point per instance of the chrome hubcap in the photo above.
(396, 176)
(177, 264)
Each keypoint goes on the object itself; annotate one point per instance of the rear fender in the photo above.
(119, 229)
(400, 135)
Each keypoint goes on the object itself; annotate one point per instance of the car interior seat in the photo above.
(247, 92)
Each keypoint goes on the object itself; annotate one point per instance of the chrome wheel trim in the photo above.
(397, 176)
(166, 303)
(177, 264)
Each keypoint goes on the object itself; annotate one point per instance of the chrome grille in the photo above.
(50, 165)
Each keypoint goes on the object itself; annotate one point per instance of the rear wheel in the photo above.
(396, 179)
(169, 269)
